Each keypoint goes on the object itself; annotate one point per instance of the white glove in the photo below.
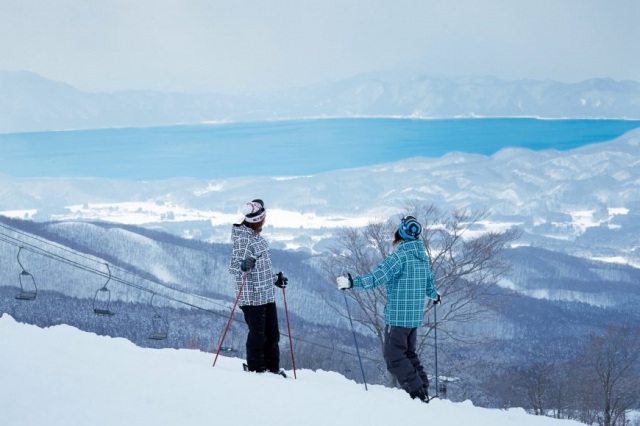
(345, 282)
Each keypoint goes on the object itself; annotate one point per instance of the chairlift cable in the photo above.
(94, 259)
(53, 256)
(50, 255)
(47, 254)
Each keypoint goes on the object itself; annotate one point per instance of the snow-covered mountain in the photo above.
(583, 202)
(423, 96)
(578, 211)
(32, 103)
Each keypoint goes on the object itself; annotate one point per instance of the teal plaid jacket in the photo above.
(407, 275)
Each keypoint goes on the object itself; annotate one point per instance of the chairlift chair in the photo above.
(232, 348)
(160, 327)
(28, 281)
(28, 287)
(159, 324)
(102, 299)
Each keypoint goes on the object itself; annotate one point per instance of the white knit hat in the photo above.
(254, 211)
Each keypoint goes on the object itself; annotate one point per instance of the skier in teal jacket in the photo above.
(407, 275)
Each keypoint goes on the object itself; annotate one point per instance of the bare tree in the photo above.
(536, 383)
(467, 266)
(560, 395)
(613, 359)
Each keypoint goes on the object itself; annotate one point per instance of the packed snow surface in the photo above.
(63, 376)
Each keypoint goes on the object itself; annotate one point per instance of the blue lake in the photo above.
(281, 148)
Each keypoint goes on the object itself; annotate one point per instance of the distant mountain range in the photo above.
(29, 102)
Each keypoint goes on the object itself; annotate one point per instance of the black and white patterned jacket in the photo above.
(258, 288)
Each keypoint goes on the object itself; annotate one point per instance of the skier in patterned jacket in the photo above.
(251, 266)
(407, 275)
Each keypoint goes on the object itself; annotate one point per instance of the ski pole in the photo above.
(244, 279)
(286, 312)
(353, 330)
(435, 335)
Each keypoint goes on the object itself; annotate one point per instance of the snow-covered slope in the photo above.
(60, 376)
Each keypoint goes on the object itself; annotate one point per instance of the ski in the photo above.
(280, 372)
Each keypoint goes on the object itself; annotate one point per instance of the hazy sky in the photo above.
(237, 46)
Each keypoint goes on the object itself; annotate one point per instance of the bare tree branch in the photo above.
(467, 265)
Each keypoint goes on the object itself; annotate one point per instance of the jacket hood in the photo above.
(240, 230)
(416, 248)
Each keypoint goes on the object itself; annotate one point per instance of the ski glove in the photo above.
(282, 281)
(247, 264)
(345, 282)
(437, 300)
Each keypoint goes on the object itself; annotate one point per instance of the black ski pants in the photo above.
(263, 351)
(402, 359)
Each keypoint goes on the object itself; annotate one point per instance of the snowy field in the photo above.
(61, 376)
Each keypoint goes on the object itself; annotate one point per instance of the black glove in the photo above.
(247, 264)
(282, 281)
(438, 300)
